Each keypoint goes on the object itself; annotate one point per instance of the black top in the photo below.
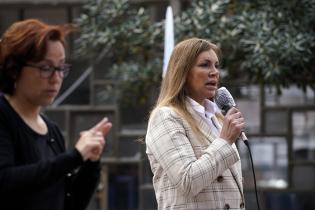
(42, 142)
(35, 171)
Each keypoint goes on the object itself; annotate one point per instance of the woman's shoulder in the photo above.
(165, 115)
(7, 113)
(164, 111)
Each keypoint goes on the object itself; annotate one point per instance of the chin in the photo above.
(211, 95)
(47, 102)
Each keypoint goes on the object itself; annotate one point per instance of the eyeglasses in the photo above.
(47, 71)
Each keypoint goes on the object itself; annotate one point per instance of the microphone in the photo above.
(225, 101)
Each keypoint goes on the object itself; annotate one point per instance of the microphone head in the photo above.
(224, 99)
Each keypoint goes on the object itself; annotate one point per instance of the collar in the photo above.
(208, 110)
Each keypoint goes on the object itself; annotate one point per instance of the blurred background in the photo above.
(117, 56)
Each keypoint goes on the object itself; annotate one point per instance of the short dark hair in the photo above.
(22, 42)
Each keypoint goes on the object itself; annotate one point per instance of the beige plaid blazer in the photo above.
(189, 173)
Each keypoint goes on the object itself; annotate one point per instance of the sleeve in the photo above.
(18, 179)
(171, 148)
(84, 184)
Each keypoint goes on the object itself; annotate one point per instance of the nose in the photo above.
(56, 77)
(214, 72)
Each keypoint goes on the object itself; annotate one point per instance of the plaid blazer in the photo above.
(189, 173)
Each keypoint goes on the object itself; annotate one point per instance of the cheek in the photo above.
(201, 78)
(196, 78)
(37, 86)
(60, 83)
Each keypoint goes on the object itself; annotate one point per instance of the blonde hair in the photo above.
(172, 92)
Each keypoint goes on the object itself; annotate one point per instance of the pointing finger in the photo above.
(103, 126)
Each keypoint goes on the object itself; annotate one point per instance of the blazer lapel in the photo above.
(237, 178)
(203, 125)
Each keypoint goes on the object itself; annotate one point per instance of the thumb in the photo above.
(103, 126)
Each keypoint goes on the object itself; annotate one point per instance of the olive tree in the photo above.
(125, 35)
(270, 41)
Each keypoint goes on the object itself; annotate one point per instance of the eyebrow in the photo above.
(50, 61)
(208, 60)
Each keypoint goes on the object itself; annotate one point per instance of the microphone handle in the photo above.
(243, 137)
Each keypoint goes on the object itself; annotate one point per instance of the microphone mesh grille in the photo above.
(224, 99)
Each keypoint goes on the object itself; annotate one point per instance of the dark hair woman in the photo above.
(36, 172)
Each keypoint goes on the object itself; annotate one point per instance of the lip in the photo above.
(211, 84)
(52, 92)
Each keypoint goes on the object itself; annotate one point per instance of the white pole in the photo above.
(168, 38)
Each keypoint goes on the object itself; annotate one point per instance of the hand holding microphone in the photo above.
(232, 125)
(234, 122)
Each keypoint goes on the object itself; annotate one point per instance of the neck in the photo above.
(23, 107)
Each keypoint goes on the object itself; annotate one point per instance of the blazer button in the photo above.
(242, 205)
(69, 175)
(226, 207)
(220, 178)
(52, 140)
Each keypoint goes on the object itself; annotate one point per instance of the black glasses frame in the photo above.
(47, 71)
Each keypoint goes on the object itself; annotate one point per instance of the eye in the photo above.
(204, 65)
(65, 67)
(46, 68)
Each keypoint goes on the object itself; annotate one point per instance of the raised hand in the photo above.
(233, 124)
(91, 142)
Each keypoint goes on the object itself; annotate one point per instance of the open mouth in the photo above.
(211, 84)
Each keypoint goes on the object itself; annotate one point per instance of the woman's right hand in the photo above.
(91, 142)
(233, 125)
